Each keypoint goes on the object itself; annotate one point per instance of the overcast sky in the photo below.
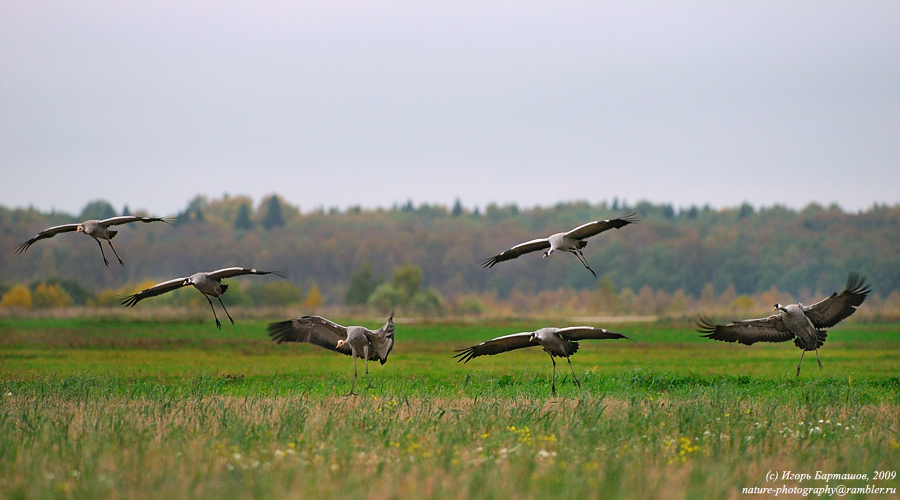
(337, 103)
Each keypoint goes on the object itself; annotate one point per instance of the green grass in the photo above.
(94, 408)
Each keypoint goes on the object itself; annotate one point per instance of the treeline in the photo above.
(347, 254)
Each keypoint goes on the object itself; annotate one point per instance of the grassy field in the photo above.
(117, 408)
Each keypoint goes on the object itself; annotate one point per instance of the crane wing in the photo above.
(47, 233)
(593, 228)
(828, 312)
(313, 330)
(153, 291)
(748, 331)
(382, 341)
(521, 248)
(229, 272)
(125, 219)
(575, 333)
(496, 346)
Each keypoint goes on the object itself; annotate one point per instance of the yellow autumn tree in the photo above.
(313, 298)
(18, 296)
(51, 296)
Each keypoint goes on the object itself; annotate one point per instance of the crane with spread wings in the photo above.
(572, 241)
(802, 324)
(356, 341)
(557, 342)
(97, 229)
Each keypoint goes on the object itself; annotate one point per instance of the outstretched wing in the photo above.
(382, 341)
(125, 219)
(748, 331)
(521, 248)
(496, 346)
(829, 312)
(230, 272)
(313, 330)
(593, 228)
(153, 291)
(576, 333)
(47, 233)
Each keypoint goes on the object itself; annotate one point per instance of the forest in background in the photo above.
(426, 257)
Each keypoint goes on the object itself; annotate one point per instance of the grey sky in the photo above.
(336, 103)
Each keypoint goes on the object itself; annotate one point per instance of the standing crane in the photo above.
(353, 341)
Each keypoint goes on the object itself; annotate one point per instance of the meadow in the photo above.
(129, 408)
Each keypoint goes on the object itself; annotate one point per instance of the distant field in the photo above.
(93, 408)
(79, 346)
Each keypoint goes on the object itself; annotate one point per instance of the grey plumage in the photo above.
(356, 341)
(97, 229)
(572, 241)
(803, 324)
(557, 342)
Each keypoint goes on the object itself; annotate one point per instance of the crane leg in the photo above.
(369, 386)
(353, 385)
(101, 253)
(817, 359)
(573, 372)
(553, 380)
(583, 261)
(801, 361)
(226, 310)
(218, 323)
(113, 249)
